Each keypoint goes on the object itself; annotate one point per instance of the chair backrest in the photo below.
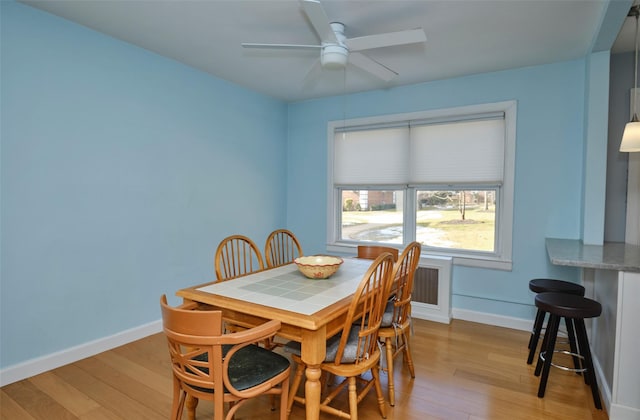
(282, 247)
(365, 312)
(402, 287)
(371, 252)
(237, 256)
(196, 362)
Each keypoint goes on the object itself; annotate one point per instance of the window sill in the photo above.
(476, 261)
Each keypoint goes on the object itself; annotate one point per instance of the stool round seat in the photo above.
(574, 309)
(556, 286)
(568, 305)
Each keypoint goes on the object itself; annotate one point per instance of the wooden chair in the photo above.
(236, 256)
(282, 247)
(355, 351)
(223, 368)
(396, 320)
(371, 252)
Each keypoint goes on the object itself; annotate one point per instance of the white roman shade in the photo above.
(467, 150)
(462, 152)
(371, 156)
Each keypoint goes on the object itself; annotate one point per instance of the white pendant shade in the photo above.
(631, 137)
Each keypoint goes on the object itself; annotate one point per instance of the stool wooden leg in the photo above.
(583, 342)
(545, 343)
(571, 334)
(550, 338)
(535, 335)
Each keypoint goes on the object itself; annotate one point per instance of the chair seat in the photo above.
(250, 366)
(349, 355)
(387, 317)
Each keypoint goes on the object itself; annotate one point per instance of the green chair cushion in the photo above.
(250, 366)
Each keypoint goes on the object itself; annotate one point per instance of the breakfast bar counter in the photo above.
(616, 256)
(611, 275)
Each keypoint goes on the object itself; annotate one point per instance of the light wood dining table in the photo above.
(310, 310)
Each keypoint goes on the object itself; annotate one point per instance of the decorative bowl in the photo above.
(318, 266)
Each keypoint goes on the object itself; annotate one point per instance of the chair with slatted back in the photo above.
(396, 321)
(223, 368)
(237, 256)
(282, 247)
(371, 252)
(355, 350)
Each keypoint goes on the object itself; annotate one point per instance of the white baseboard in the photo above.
(54, 360)
(492, 319)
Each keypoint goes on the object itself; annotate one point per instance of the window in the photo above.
(372, 216)
(443, 178)
(457, 219)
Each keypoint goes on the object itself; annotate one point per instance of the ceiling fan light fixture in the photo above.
(334, 56)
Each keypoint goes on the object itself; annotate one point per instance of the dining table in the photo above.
(310, 310)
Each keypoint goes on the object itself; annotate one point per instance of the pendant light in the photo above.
(631, 136)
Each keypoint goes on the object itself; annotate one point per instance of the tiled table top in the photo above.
(286, 288)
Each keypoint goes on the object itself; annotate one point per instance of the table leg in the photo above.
(312, 392)
(312, 354)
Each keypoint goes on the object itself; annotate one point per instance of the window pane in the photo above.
(457, 219)
(372, 215)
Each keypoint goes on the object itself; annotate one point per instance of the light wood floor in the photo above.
(463, 371)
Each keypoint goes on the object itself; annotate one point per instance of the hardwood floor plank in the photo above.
(157, 381)
(100, 413)
(464, 371)
(107, 396)
(151, 353)
(66, 395)
(11, 410)
(40, 405)
(133, 387)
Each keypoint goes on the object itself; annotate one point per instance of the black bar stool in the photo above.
(555, 286)
(574, 309)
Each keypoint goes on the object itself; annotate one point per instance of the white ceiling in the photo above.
(463, 37)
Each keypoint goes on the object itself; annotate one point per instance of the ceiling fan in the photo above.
(336, 49)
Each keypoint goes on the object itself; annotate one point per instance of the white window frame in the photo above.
(502, 257)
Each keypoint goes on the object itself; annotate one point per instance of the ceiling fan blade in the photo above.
(313, 75)
(386, 40)
(281, 46)
(319, 21)
(371, 66)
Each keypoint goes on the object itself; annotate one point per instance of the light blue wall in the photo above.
(549, 169)
(121, 171)
(595, 151)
